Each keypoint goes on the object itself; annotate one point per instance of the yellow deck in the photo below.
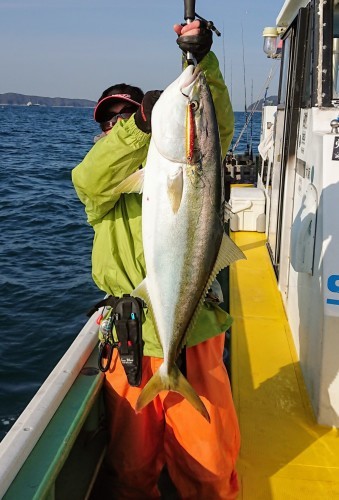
(284, 454)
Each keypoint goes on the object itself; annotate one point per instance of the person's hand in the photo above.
(142, 117)
(195, 38)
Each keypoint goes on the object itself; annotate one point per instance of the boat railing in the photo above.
(37, 447)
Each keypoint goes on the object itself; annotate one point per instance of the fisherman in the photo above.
(200, 457)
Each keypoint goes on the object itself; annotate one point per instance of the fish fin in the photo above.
(229, 252)
(173, 381)
(132, 184)
(175, 184)
(141, 291)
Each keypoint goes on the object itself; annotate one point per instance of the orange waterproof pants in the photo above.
(200, 456)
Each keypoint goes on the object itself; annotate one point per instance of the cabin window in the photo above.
(336, 49)
(285, 70)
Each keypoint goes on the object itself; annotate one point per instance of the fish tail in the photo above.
(173, 381)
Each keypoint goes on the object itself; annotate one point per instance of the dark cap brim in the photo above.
(101, 107)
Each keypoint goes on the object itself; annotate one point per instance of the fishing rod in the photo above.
(244, 68)
(223, 50)
(233, 146)
(254, 108)
(251, 144)
(189, 16)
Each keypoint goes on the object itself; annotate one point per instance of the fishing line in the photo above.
(251, 136)
(255, 107)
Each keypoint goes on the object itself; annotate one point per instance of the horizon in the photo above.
(91, 101)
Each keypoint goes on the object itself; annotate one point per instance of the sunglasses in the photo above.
(124, 114)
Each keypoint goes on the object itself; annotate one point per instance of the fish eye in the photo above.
(194, 105)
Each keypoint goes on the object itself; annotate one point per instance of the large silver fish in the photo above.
(182, 222)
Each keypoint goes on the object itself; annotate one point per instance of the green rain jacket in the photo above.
(118, 264)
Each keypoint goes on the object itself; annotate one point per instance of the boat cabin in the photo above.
(300, 177)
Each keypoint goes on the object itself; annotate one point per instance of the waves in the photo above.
(45, 247)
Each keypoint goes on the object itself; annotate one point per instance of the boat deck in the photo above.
(284, 454)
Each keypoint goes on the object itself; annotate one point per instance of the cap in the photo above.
(100, 111)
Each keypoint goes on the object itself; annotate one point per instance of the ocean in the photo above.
(45, 244)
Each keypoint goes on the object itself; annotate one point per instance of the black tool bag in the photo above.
(128, 325)
(126, 316)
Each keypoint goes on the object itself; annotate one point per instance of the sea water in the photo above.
(45, 244)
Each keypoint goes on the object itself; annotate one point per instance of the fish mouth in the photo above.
(184, 89)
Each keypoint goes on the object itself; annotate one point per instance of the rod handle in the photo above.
(189, 11)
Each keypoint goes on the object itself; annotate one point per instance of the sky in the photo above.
(77, 48)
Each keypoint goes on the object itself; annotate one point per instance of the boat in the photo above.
(284, 300)
(299, 176)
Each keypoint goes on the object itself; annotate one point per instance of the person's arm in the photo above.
(221, 99)
(110, 161)
(196, 37)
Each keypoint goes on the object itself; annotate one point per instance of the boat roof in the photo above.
(289, 11)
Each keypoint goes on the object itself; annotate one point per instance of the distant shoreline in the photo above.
(13, 99)
(249, 110)
(2, 104)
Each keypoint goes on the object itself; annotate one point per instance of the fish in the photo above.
(184, 242)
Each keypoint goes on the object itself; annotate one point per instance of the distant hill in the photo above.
(13, 99)
(270, 101)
